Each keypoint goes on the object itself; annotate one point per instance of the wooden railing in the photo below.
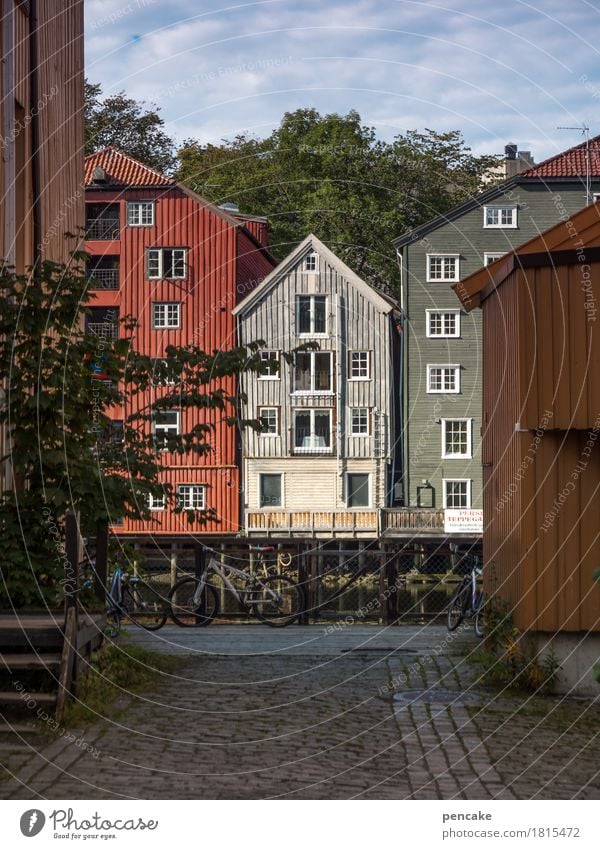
(306, 521)
(412, 520)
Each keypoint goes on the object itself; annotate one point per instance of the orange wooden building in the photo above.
(541, 431)
(162, 254)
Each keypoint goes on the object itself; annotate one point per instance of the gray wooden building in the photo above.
(442, 351)
(325, 462)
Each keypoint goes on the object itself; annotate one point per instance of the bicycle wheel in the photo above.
(479, 624)
(457, 607)
(189, 611)
(277, 601)
(113, 623)
(144, 606)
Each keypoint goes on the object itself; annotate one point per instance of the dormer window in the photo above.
(311, 262)
(500, 217)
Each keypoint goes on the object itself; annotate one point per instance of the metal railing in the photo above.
(103, 278)
(103, 329)
(102, 229)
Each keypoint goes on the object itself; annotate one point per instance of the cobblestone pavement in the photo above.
(306, 713)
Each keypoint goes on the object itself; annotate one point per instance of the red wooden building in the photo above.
(178, 264)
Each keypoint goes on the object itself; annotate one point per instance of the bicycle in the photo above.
(274, 599)
(467, 601)
(130, 596)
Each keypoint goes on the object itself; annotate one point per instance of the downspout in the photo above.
(403, 430)
(35, 134)
(8, 130)
(339, 402)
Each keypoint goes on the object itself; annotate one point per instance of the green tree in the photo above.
(330, 174)
(60, 386)
(129, 125)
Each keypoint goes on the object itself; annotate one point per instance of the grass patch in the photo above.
(114, 672)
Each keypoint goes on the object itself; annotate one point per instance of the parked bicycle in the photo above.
(467, 601)
(131, 597)
(274, 599)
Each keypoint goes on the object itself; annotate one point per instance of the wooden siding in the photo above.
(539, 208)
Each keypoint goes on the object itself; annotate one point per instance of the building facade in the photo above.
(442, 366)
(163, 255)
(324, 462)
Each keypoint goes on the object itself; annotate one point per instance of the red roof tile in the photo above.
(123, 170)
(570, 163)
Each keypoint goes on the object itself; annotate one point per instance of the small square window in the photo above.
(359, 418)
(360, 362)
(140, 213)
(156, 502)
(443, 379)
(269, 418)
(271, 361)
(456, 439)
(499, 217)
(166, 315)
(191, 496)
(443, 268)
(311, 262)
(443, 324)
(270, 490)
(488, 259)
(457, 494)
(357, 490)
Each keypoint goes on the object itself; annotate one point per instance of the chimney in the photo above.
(510, 151)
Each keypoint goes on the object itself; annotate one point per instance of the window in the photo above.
(166, 426)
(313, 372)
(270, 490)
(156, 502)
(596, 197)
(312, 431)
(269, 418)
(271, 372)
(311, 314)
(311, 262)
(166, 263)
(488, 259)
(191, 496)
(499, 216)
(140, 213)
(357, 490)
(443, 379)
(166, 315)
(442, 268)
(457, 494)
(359, 420)
(443, 325)
(163, 375)
(360, 365)
(456, 438)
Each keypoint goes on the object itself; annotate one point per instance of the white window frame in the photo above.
(169, 381)
(367, 412)
(595, 197)
(500, 208)
(138, 207)
(310, 257)
(165, 304)
(261, 475)
(446, 278)
(312, 411)
(160, 257)
(261, 410)
(428, 316)
(312, 355)
(469, 450)
(351, 366)
(163, 428)
(369, 486)
(455, 391)
(191, 486)
(312, 333)
(157, 504)
(457, 480)
(265, 356)
(489, 258)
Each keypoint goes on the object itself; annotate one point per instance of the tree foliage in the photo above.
(131, 126)
(60, 386)
(329, 174)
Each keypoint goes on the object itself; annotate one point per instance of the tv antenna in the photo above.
(585, 130)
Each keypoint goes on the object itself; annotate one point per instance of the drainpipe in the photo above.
(338, 379)
(8, 129)
(35, 134)
(401, 400)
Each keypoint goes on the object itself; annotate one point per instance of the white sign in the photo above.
(463, 521)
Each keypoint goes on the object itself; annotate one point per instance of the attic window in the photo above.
(500, 217)
(311, 262)
(99, 175)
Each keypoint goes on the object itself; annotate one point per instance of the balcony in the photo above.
(102, 229)
(412, 521)
(103, 329)
(344, 523)
(103, 278)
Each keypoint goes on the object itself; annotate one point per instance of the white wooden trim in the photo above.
(469, 454)
(469, 483)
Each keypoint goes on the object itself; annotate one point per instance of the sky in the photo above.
(501, 71)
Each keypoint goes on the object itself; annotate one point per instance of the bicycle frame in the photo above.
(223, 570)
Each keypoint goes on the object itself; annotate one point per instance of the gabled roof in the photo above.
(123, 170)
(569, 163)
(564, 241)
(382, 302)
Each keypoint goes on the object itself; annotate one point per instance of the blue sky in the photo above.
(501, 71)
